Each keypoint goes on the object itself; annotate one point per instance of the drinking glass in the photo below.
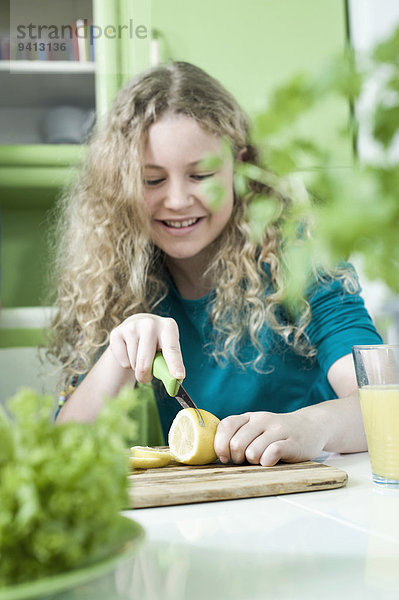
(377, 372)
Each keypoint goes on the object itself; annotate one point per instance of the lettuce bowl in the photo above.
(58, 586)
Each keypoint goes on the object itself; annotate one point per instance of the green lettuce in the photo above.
(61, 486)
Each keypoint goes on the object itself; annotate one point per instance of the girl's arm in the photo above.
(265, 438)
(127, 359)
(344, 416)
(105, 379)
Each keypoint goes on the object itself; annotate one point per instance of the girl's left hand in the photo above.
(265, 438)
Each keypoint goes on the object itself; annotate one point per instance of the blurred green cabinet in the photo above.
(33, 173)
(249, 46)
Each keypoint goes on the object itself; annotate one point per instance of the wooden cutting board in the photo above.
(182, 484)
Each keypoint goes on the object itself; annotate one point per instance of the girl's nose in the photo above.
(178, 196)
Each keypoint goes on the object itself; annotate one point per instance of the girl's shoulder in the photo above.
(339, 280)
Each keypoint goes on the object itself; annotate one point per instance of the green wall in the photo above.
(24, 256)
(250, 47)
(253, 46)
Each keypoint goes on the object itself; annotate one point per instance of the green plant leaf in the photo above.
(214, 162)
(386, 124)
(215, 192)
(262, 212)
(388, 50)
(61, 488)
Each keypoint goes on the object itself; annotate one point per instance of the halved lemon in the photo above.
(189, 442)
(145, 457)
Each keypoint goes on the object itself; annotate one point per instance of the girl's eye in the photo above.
(152, 182)
(201, 176)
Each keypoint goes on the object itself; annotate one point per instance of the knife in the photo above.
(173, 386)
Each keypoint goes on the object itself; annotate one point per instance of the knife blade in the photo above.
(173, 386)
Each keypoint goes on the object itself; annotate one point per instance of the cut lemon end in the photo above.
(149, 452)
(189, 442)
(145, 457)
(138, 462)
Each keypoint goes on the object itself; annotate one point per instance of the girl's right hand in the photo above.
(136, 340)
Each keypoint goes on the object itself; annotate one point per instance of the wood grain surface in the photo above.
(181, 484)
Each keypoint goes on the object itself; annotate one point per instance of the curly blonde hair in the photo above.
(106, 265)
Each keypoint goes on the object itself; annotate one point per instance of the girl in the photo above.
(144, 264)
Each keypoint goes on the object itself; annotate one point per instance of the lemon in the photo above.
(145, 457)
(189, 442)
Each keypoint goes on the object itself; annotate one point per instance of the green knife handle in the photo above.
(160, 371)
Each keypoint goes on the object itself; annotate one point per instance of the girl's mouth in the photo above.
(180, 227)
(181, 224)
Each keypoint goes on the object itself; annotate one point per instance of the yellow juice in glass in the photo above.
(380, 410)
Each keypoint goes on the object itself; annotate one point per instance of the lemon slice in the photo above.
(189, 442)
(149, 452)
(145, 457)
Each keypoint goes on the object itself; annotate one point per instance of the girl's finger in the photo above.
(146, 348)
(225, 431)
(170, 346)
(131, 342)
(244, 436)
(286, 450)
(257, 449)
(119, 349)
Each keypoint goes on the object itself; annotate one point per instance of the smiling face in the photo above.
(182, 224)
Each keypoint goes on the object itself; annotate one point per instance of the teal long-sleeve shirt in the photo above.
(287, 381)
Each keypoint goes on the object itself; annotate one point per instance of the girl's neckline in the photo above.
(201, 300)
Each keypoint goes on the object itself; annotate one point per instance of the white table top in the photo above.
(341, 543)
